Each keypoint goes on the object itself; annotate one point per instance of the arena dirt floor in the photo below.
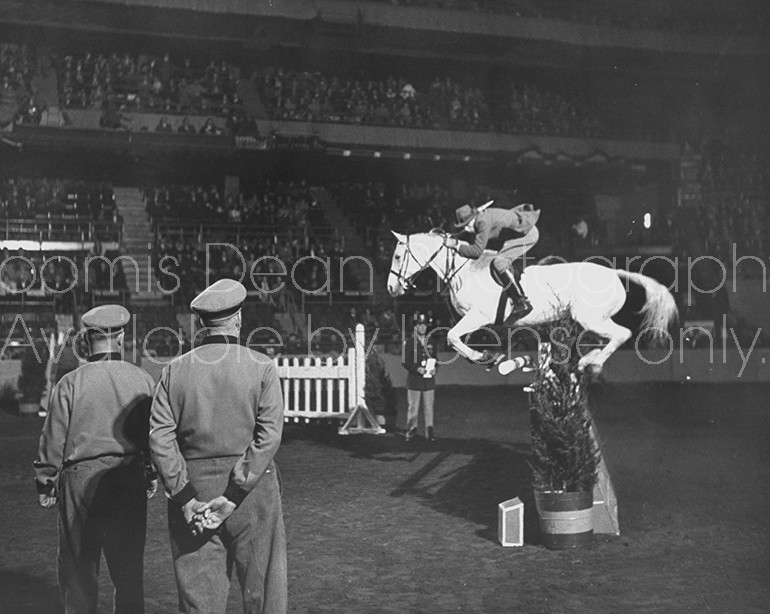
(379, 526)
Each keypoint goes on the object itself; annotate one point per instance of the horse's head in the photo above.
(413, 253)
(399, 266)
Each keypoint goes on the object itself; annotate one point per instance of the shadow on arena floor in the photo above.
(21, 592)
(471, 491)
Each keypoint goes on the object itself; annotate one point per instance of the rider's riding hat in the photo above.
(464, 215)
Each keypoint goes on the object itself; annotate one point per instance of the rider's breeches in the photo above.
(413, 398)
(514, 249)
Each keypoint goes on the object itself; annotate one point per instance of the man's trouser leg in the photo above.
(252, 539)
(258, 541)
(103, 505)
(413, 409)
(125, 527)
(428, 397)
(201, 561)
(79, 543)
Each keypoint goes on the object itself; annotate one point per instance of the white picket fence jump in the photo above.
(328, 388)
(318, 387)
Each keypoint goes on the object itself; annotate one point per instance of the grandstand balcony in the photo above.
(50, 234)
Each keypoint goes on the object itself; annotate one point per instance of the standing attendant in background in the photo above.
(93, 461)
(216, 421)
(419, 361)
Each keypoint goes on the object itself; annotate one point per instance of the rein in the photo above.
(406, 280)
(450, 270)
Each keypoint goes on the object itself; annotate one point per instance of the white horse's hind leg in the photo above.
(473, 320)
(616, 336)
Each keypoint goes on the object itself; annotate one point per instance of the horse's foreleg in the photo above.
(616, 336)
(471, 321)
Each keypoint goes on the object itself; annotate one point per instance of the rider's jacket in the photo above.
(499, 225)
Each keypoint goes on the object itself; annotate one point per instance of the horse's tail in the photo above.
(660, 307)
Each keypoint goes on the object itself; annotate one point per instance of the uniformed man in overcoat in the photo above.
(93, 460)
(216, 425)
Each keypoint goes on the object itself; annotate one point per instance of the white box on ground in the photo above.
(510, 522)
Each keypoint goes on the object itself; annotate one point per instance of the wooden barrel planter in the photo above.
(566, 519)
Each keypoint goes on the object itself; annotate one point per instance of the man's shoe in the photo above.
(520, 308)
(430, 433)
(411, 433)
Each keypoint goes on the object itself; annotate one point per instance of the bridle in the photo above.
(449, 271)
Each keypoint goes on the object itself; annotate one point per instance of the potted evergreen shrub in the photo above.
(379, 391)
(565, 455)
(31, 380)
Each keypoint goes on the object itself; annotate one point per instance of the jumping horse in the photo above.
(587, 292)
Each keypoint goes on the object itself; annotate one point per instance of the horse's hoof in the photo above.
(596, 376)
(593, 373)
(491, 359)
(496, 362)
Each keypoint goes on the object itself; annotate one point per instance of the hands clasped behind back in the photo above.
(202, 516)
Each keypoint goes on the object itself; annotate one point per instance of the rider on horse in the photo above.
(516, 229)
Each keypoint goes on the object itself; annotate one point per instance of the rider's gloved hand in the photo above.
(451, 242)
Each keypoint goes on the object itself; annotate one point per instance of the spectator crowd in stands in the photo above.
(56, 198)
(275, 238)
(734, 200)
(60, 273)
(306, 96)
(148, 83)
(275, 205)
(17, 100)
(119, 84)
(441, 103)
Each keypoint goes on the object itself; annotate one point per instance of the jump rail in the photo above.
(328, 388)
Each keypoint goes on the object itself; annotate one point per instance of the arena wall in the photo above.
(625, 366)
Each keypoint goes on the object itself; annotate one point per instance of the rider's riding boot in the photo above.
(520, 303)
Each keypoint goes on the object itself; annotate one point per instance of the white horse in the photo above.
(587, 292)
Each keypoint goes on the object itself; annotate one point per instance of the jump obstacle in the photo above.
(605, 503)
(316, 388)
(605, 508)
